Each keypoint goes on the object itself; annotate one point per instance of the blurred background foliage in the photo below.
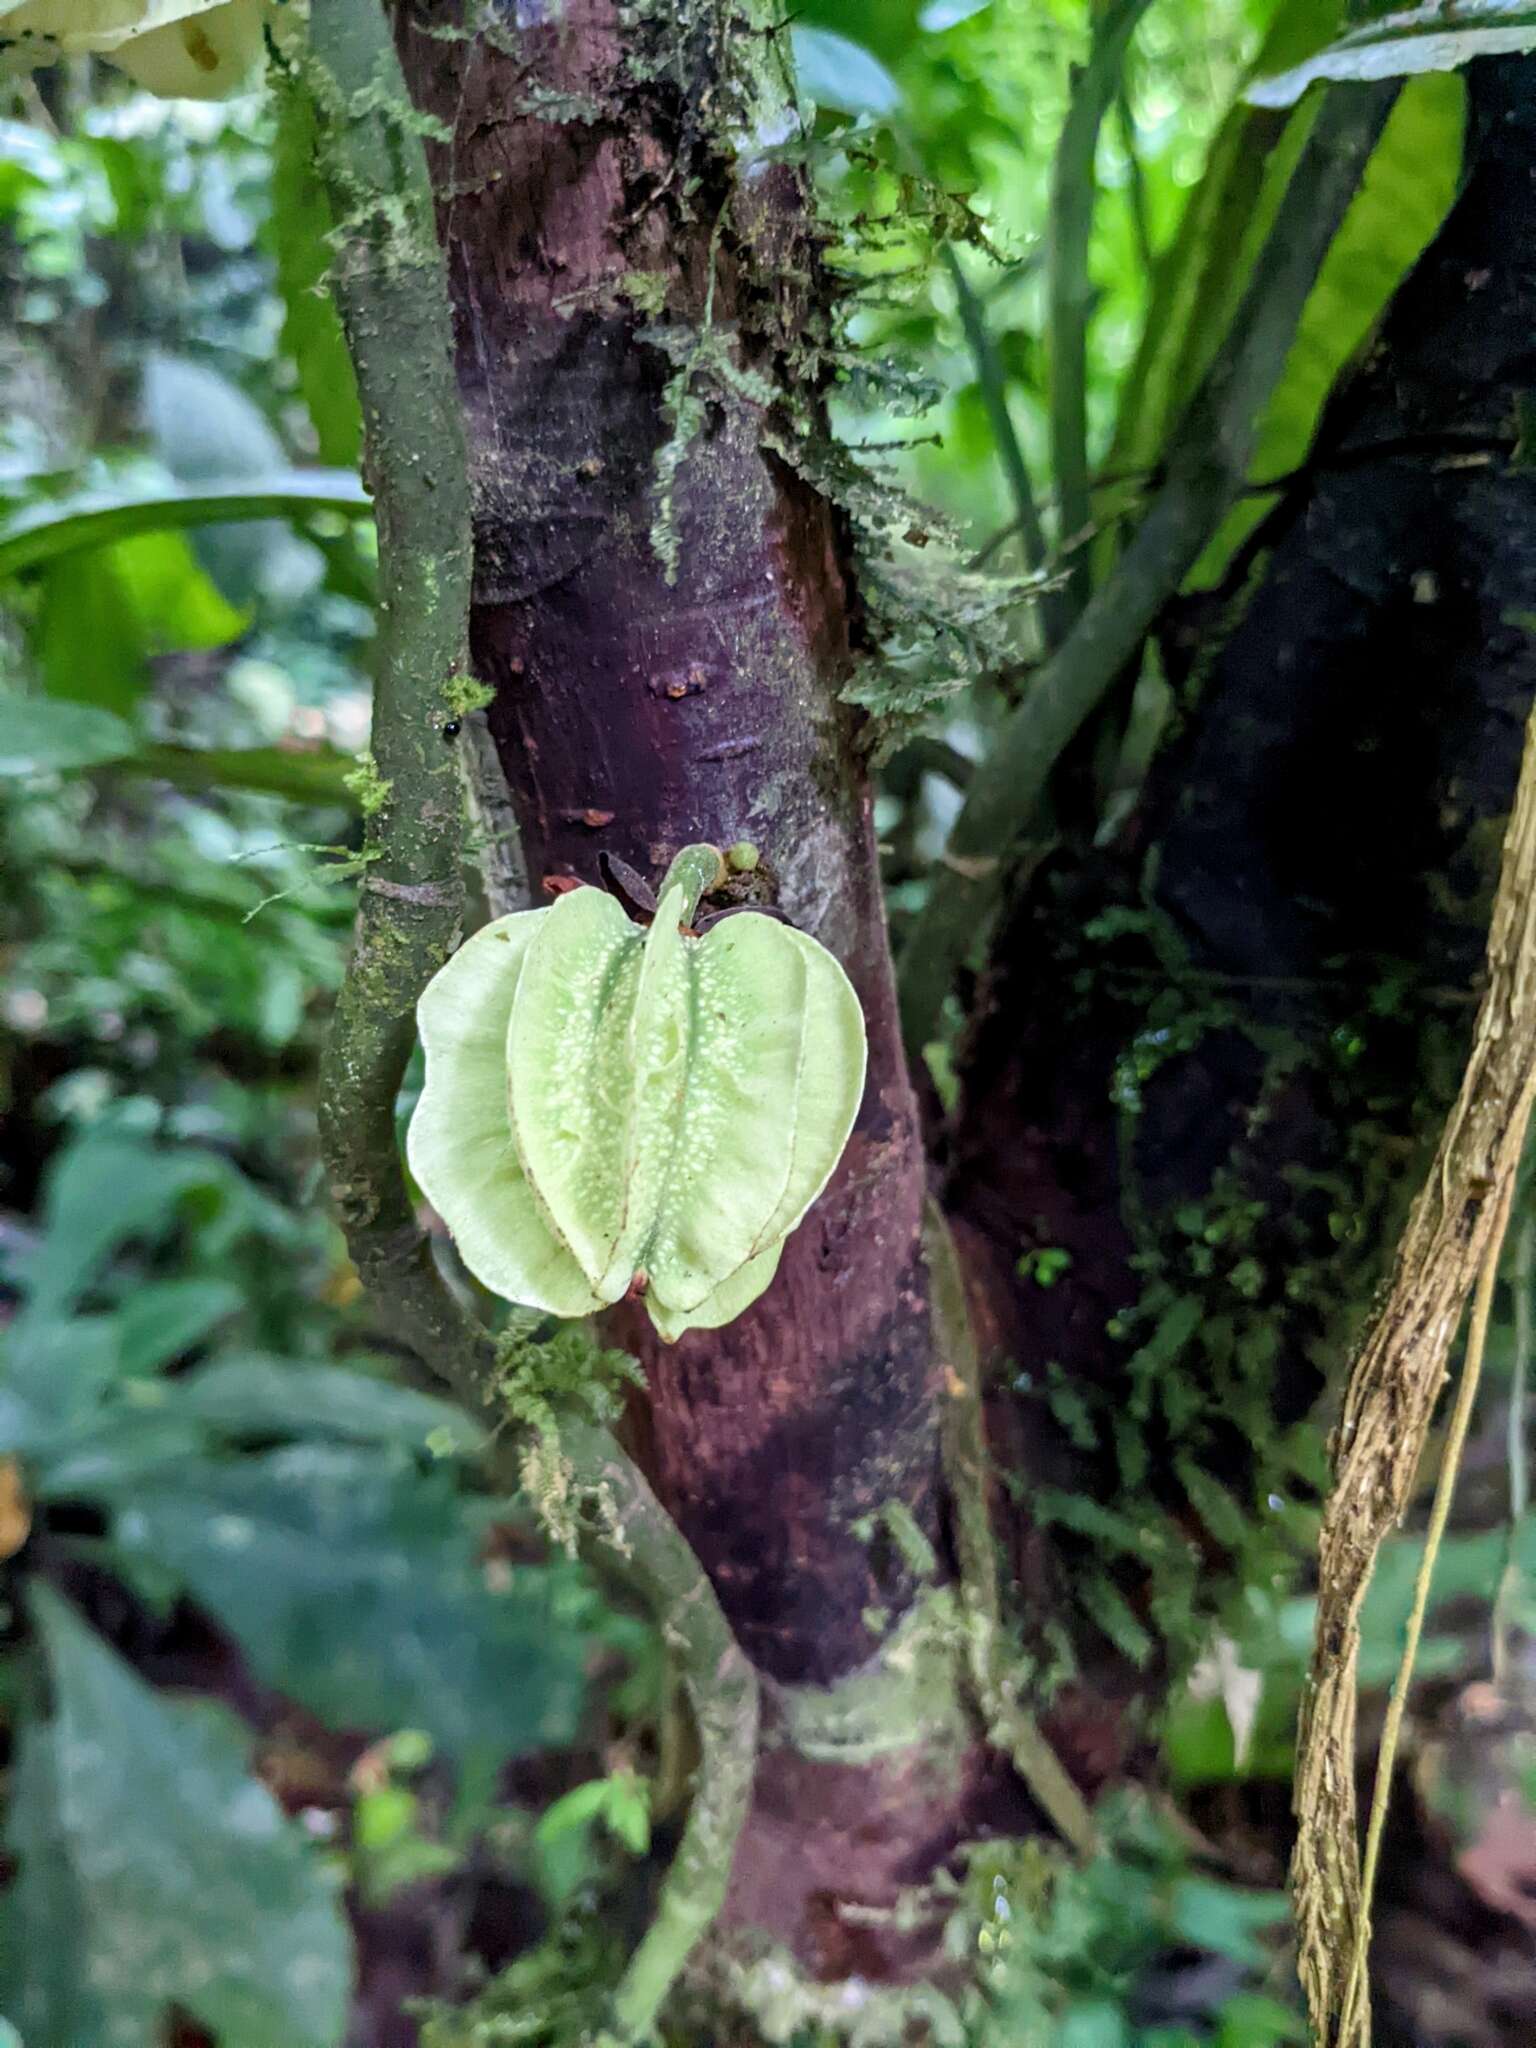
(257, 1584)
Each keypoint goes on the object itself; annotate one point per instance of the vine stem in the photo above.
(1352, 2018)
(1515, 1453)
(1447, 1251)
(392, 294)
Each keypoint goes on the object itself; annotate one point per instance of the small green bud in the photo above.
(742, 858)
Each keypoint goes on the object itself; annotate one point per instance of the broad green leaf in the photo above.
(47, 736)
(43, 533)
(300, 245)
(1433, 37)
(317, 775)
(206, 430)
(104, 613)
(247, 1396)
(834, 72)
(1200, 279)
(53, 1374)
(163, 1320)
(117, 1446)
(354, 1584)
(1217, 1916)
(1408, 187)
(154, 1870)
(102, 1191)
(662, 1112)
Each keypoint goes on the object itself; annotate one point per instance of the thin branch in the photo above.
(392, 294)
(1069, 291)
(1206, 470)
(992, 382)
(1136, 182)
(1388, 1408)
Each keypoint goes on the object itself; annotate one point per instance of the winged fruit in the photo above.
(611, 1110)
(180, 49)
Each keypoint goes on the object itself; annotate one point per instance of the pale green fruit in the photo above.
(180, 49)
(603, 1102)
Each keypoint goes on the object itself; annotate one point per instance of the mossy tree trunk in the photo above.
(663, 610)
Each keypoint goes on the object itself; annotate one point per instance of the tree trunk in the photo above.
(1208, 1063)
(662, 609)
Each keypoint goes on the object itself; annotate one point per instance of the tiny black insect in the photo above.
(453, 728)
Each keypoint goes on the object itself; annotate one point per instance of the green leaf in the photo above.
(300, 245)
(44, 533)
(603, 1102)
(249, 1396)
(45, 736)
(354, 1585)
(1408, 188)
(1433, 37)
(102, 1191)
(163, 1320)
(154, 1870)
(104, 613)
(1222, 1918)
(319, 775)
(837, 73)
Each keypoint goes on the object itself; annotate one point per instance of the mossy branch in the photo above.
(392, 295)
(1451, 1236)
(1010, 1725)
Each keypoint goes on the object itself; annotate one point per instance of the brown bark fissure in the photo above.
(585, 203)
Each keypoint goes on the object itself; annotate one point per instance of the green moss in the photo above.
(464, 694)
(371, 789)
(910, 1695)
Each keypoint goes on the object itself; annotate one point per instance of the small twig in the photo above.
(1206, 469)
(992, 383)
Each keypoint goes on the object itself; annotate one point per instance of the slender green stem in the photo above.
(1353, 2020)
(696, 870)
(992, 382)
(1136, 183)
(1069, 290)
(392, 295)
(1206, 470)
(1515, 1452)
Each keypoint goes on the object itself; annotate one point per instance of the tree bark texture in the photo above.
(662, 610)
